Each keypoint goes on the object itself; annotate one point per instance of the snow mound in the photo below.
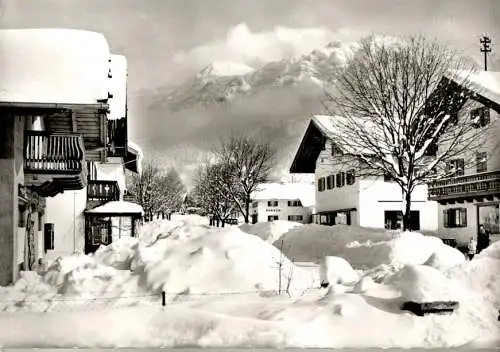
(405, 248)
(80, 275)
(216, 262)
(445, 257)
(335, 270)
(492, 251)
(313, 242)
(118, 254)
(420, 283)
(269, 231)
(481, 275)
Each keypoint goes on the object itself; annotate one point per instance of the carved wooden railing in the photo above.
(103, 190)
(463, 186)
(52, 153)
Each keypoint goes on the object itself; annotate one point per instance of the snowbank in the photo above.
(313, 242)
(217, 261)
(335, 270)
(269, 231)
(420, 283)
(217, 281)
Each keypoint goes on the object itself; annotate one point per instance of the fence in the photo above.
(68, 303)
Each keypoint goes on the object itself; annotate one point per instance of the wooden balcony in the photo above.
(466, 188)
(103, 191)
(54, 163)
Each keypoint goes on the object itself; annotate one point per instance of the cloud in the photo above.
(243, 46)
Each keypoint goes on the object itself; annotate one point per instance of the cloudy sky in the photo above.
(165, 41)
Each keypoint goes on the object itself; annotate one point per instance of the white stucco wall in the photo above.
(282, 210)
(377, 196)
(338, 197)
(65, 211)
(112, 170)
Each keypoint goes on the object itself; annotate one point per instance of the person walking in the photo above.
(483, 239)
(472, 248)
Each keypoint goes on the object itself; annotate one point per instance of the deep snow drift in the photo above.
(222, 285)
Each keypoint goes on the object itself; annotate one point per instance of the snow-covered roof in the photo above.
(134, 148)
(485, 83)
(117, 207)
(332, 126)
(118, 87)
(53, 66)
(111, 171)
(305, 192)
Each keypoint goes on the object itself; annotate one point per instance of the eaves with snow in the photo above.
(65, 66)
(484, 83)
(117, 207)
(118, 87)
(305, 192)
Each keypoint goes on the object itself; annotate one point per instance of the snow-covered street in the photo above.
(222, 291)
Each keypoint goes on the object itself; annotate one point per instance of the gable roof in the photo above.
(305, 192)
(486, 84)
(322, 128)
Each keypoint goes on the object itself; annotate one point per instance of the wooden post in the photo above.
(163, 299)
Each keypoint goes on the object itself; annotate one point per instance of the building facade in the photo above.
(344, 198)
(472, 196)
(283, 201)
(53, 123)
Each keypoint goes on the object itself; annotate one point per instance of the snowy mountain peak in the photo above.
(225, 69)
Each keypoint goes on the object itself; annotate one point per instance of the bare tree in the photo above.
(396, 108)
(248, 162)
(157, 191)
(211, 193)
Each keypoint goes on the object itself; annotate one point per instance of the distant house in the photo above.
(283, 201)
(344, 198)
(472, 197)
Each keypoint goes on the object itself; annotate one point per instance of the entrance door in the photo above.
(393, 220)
(98, 233)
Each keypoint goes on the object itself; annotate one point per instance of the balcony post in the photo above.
(11, 161)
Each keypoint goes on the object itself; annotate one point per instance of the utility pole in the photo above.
(486, 49)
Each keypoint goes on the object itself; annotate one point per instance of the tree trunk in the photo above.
(247, 209)
(223, 223)
(407, 211)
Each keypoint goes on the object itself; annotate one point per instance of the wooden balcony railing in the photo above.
(482, 184)
(98, 190)
(49, 153)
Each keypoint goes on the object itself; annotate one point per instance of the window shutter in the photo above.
(463, 217)
(446, 222)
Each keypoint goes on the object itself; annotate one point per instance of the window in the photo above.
(330, 182)
(295, 218)
(272, 218)
(321, 184)
(388, 177)
(272, 203)
(48, 237)
(480, 117)
(336, 150)
(455, 217)
(255, 204)
(481, 162)
(340, 179)
(350, 178)
(294, 203)
(456, 167)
